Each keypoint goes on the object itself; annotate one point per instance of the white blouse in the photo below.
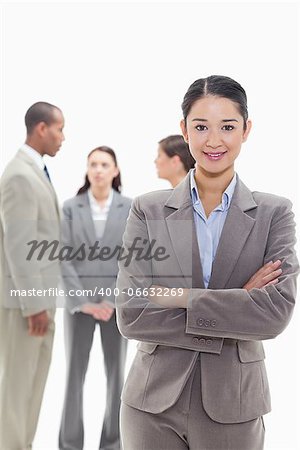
(99, 214)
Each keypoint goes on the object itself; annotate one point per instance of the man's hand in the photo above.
(100, 311)
(266, 275)
(38, 324)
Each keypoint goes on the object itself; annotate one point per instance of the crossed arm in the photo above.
(261, 309)
(265, 276)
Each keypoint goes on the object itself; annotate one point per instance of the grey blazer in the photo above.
(224, 322)
(86, 271)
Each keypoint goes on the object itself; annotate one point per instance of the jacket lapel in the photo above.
(86, 218)
(182, 232)
(41, 175)
(112, 222)
(237, 227)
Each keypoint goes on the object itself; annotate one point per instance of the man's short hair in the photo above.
(39, 112)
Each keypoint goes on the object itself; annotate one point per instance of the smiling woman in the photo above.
(215, 125)
(220, 133)
(198, 380)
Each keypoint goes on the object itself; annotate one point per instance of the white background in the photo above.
(119, 72)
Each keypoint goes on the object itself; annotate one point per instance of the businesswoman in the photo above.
(95, 219)
(221, 279)
(173, 159)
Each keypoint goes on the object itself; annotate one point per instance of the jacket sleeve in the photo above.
(233, 313)
(19, 211)
(259, 313)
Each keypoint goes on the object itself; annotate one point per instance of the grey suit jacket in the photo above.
(87, 272)
(224, 322)
(29, 211)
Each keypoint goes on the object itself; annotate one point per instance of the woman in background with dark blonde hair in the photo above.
(174, 159)
(96, 216)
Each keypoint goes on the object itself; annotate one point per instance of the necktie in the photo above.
(47, 173)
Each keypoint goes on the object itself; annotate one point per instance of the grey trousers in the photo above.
(24, 366)
(79, 332)
(187, 426)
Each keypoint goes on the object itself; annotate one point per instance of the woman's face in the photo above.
(166, 166)
(215, 132)
(101, 169)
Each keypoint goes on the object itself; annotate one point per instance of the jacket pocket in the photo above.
(250, 351)
(135, 386)
(234, 384)
(146, 347)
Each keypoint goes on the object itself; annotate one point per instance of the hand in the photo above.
(104, 311)
(100, 311)
(266, 275)
(38, 324)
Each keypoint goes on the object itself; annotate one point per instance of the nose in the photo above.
(63, 137)
(213, 139)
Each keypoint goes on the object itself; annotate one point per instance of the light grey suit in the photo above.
(29, 211)
(78, 229)
(223, 324)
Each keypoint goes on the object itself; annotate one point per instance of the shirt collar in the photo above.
(226, 196)
(34, 155)
(93, 201)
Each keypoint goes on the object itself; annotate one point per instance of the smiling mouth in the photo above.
(214, 156)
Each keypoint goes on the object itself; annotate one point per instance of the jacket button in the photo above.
(200, 322)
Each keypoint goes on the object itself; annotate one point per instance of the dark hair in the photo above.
(176, 145)
(116, 183)
(39, 112)
(220, 86)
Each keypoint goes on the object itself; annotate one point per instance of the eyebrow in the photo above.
(205, 120)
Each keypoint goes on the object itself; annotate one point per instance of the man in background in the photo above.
(29, 211)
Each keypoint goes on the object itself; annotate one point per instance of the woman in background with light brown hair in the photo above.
(174, 159)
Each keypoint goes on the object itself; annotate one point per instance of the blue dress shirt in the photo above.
(209, 229)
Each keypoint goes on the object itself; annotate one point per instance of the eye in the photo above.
(228, 127)
(201, 127)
